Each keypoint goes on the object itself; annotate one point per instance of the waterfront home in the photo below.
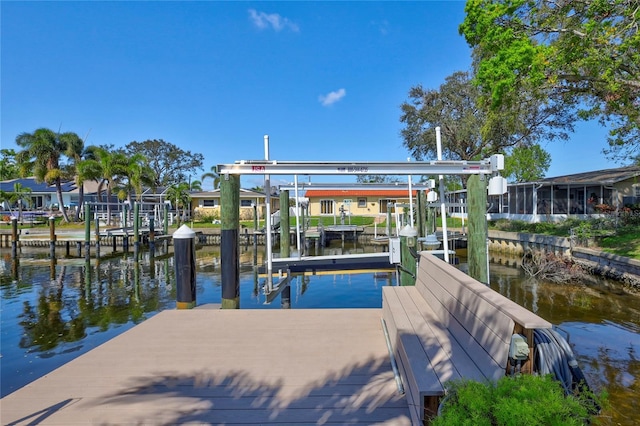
(43, 197)
(359, 199)
(579, 195)
(207, 204)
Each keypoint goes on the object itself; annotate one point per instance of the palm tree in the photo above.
(214, 175)
(195, 185)
(41, 154)
(179, 194)
(87, 169)
(112, 166)
(20, 195)
(135, 174)
(76, 153)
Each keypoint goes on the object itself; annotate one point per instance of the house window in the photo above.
(245, 203)
(636, 190)
(362, 203)
(209, 203)
(326, 206)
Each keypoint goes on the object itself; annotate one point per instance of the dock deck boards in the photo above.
(212, 366)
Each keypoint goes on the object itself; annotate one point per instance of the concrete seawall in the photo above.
(620, 268)
(517, 243)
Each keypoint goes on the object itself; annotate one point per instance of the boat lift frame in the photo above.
(490, 166)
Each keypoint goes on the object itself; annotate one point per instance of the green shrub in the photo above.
(206, 217)
(520, 400)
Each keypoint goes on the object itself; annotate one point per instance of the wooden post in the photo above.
(165, 225)
(230, 260)
(152, 235)
(477, 239)
(87, 230)
(96, 232)
(285, 237)
(408, 236)
(52, 237)
(136, 229)
(421, 213)
(15, 236)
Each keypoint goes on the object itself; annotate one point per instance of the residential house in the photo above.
(207, 204)
(556, 198)
(358, 199)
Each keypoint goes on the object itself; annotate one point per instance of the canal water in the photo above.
(51, 312)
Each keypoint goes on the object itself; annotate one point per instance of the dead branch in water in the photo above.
(550, 267)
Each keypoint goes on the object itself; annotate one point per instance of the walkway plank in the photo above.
(209, 366)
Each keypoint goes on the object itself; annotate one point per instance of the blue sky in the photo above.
(323, 79)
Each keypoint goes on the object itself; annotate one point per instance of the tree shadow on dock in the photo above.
(363, 393)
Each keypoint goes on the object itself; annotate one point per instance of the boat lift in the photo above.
(490, 167)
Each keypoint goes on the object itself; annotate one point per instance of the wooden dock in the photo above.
(212, 366)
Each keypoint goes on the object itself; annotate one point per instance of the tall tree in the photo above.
(582, 55)
(527, 163)
(88, 169)
(8, 166)
(469, 130)
(41, 155)
(169, 163)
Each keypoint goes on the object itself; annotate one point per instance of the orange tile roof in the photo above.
(359, 193)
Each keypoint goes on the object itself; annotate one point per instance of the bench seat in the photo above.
(447, 327)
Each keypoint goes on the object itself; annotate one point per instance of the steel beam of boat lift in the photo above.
(273, 167)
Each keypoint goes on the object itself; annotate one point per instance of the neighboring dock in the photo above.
(212, 366)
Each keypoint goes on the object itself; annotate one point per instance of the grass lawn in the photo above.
(626, 242)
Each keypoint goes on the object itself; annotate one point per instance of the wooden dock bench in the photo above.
(450, 326)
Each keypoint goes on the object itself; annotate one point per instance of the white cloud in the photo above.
(271, 20)
(332, 97)
(381, 26)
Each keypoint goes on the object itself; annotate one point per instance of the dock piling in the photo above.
(230, 218)
(184, 243)
(408, 240)
(15, 236)
(152, 236)
(52, 237)
(477, 244)
(87, 231)
(97, 234)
